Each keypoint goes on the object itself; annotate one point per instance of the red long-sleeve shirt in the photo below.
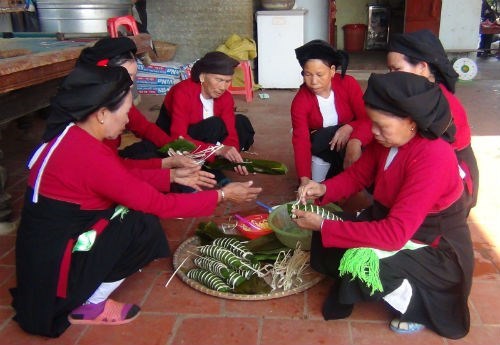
(84, 171)
(306, 116)
(463, 135)
(183, 104)
(422, 179)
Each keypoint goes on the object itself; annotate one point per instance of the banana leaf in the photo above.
(332, 207)
(265, 244)
(261, 166)
(181, 145)
(327, 212)
(253, 286)
(266, 257)
(209, 231)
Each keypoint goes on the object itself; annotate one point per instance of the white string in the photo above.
(199, 156)
(173, 274)
(37, 154)
(45, 161)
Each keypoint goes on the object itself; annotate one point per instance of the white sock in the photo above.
(103, 291)
(319, 169)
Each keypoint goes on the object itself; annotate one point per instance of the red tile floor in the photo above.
(181, 315)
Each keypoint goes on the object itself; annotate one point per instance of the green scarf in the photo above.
(364, 264)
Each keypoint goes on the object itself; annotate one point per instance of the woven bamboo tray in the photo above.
(189, 246)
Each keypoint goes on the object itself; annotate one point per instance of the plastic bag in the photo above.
(240, 49)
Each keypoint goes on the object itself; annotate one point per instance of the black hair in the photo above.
(341, 58)
(120, 59)
(115, 103)
(435, 72)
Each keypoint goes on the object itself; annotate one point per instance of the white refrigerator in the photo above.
(278, 34)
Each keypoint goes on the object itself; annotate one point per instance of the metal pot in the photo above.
(77, 16)
(277, 4)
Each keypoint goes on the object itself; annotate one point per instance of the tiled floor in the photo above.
(181, 315)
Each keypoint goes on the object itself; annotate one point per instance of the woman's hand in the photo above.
(193, 177)
(308, 220)
(304, 180)
(239, 192)
(340, 138)
(312, 190)
(231, 154)
(352, 152)
(177, 161)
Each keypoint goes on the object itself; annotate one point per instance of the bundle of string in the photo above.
(289, 268)
(199, 156)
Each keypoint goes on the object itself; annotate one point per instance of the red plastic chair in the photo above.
(127, 21)
(247, 88)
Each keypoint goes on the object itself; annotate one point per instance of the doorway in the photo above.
(422, 14)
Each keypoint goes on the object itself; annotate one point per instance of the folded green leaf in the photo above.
(264, 244)
(322, 211)
(332, 207)
(181, 145)
(209, 231)
(261, 166)
(253, 286)
(266, 257)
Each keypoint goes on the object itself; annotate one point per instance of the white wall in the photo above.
(459, 27)
(316, 19)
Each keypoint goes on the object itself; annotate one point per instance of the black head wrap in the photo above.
(410, 95)
(423, 45)
(107, 49)
(321, 50)
(86, 89)
(215, 63)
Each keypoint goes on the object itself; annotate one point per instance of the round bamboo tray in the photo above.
(310, 277)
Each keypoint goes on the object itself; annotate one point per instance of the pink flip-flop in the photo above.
(114, 313)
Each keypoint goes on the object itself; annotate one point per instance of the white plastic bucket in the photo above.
(319, 169)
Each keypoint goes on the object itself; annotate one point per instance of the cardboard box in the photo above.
(145, 79)
(165, 68)
(153, 89)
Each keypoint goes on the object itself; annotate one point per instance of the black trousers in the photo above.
(439, 276)
(213, 129)
(126, 245)
(485, 43)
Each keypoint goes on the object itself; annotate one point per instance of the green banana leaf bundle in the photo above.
(209, 231)
(261, 166)
(253, 286)
(180, 144)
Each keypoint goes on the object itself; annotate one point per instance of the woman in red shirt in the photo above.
(89, 222)
(422, 53)
(201, 109)
(329, 120)
(412, 248)
(121, 52)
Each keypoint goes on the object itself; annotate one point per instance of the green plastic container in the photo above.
(287, 231)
